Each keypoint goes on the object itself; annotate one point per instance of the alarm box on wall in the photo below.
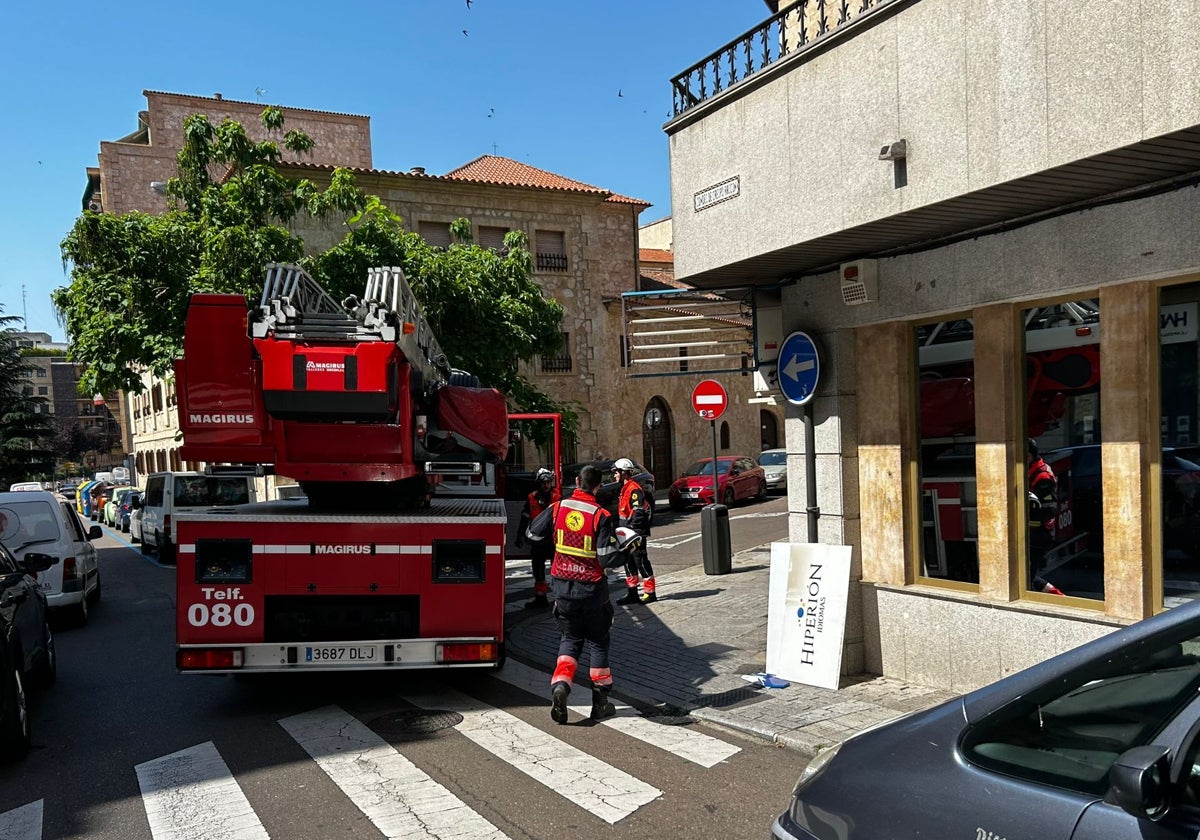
(860, 282)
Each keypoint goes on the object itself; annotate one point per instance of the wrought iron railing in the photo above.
(780, 35)
(547, 261)
(556, 364)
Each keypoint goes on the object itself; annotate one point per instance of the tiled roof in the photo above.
(656, 255)
(492, 169)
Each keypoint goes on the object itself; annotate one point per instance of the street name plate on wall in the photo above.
(806, 612)
(717, 193)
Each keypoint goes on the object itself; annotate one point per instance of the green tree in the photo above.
(24, 427)
(132, 275)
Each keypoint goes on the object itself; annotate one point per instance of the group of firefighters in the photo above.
(582, 542)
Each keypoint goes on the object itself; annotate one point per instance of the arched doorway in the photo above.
(656, 442)
(770, 429)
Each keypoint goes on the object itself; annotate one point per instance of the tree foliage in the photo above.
(24, 428)
(132, 275)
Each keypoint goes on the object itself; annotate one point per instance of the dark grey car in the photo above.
(1101, 742)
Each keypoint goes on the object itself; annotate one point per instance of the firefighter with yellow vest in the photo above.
(634, 511)
(585, 545)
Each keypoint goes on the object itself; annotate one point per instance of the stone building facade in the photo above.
(586, 254)
(986, 214)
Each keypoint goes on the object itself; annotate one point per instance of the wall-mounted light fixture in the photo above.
(894, 151)
(159, 187)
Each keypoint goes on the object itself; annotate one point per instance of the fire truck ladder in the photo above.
(294, 307)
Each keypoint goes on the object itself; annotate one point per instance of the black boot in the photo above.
(602, 707)
(538, 602)
(630, 596)
(558, 707)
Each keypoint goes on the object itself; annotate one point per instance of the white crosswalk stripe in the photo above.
(24, 823)
(606, 791)
(398, 797)
(190, 795)
(685, 742)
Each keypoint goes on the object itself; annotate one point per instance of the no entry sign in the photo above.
(709, 399)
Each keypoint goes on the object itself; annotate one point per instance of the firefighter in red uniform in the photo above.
(584, 546)
(1043, 511)
(634, 511)
(539, 552)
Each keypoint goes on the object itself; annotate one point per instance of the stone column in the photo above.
(999, 468)
(1129, 407)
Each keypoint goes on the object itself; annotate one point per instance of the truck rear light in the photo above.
(459, 561)
(466, 652)
(70, 570)
(208, 659)
(166, 523)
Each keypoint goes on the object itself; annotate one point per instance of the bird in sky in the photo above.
(620, 94)
(258, 91)
(465, 32)
(468, 4)
(491, 112)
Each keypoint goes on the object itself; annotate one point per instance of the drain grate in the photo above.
(410, 723)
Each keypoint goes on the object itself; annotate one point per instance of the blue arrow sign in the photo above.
(799, 368)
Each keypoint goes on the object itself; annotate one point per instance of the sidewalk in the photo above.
(685, 655)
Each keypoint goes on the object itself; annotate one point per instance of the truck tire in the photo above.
(47, 672)
(463, 379)
(14, 714)
(165, 550)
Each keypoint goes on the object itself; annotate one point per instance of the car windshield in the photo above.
(772, 459)
(195, 491)
(704, 468)
(1069, 733)
(26, 522)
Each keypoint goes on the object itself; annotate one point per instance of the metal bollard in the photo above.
(714, 538)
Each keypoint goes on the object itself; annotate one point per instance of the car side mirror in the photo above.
(1138, 781)
(35, 562)
(95, 533)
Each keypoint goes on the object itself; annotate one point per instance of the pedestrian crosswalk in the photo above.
(192, 794)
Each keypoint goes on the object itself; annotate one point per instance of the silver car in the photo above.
(1101, 742)
(774, 464)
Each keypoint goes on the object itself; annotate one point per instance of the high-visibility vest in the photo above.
(632, 498)
(575, 526)
(539, 500)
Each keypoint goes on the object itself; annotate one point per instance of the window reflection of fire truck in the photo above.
(1062, 360)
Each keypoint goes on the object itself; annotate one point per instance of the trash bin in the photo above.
(714, 538)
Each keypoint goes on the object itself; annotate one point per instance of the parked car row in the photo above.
(48, 565)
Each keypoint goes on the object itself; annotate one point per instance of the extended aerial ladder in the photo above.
(356, 401)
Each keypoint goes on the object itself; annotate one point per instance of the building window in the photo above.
(43, 390)
(946, 429)
(683, 365)
(560, 362)
(724, 434)
(551, 250)
(436, 234)
(157, 398)
(1065, 512)
(492, 238)
(41, 373)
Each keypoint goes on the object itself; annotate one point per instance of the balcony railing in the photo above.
(782, 34)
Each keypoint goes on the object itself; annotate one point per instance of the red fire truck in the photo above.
(394, 556)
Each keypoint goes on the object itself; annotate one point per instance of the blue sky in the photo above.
(539, 79)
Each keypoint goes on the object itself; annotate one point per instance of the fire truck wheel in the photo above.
(501, 659)
(14, 720)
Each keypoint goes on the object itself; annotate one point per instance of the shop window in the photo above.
(948, 548)
(1179, 310)
(1064, 513)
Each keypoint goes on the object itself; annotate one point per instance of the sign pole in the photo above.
(810, 471)
(716, 484)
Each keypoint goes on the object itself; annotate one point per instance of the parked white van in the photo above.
(24, 486)
(169, 494)
(40, 522)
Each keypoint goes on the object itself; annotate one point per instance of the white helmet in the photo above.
(544, 475)
(628, 539)
(624, 464)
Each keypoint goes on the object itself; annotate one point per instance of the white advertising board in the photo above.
(806, 612)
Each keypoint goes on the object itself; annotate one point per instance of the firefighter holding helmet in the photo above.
(633, 511)
(539, 552)
(585, 545)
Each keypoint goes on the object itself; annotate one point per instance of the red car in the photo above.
(738, 477)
